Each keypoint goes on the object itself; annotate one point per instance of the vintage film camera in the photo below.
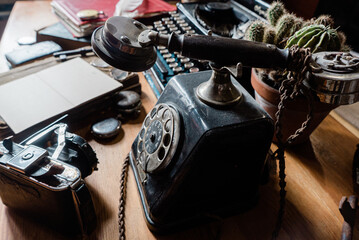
(42, 178)
(202, 149)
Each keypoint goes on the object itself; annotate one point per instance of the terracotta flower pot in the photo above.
(295, 112)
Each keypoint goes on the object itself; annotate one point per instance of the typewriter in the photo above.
(228, 19)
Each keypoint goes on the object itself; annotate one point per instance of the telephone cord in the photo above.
(290, 89)
(121, 212)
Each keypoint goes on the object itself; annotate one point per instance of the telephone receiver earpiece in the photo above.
(117, 44)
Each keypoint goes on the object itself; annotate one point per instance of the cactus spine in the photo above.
(325, 20)
(269, 35)
(255, 31)
(284, 26)
(274, 12)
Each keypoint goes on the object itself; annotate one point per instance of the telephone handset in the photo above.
(202, 148)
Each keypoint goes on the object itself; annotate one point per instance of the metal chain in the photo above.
(290, 89)
(121, 212)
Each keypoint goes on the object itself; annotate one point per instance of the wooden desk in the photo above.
(318, 174)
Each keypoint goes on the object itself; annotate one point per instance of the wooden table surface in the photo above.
(318, 175)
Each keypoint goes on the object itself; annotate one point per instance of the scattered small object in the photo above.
(128, 104)
(8, 144)
(32, 52)
(118, 74)
(348, 207)
(3, 124)
(62, 55)
(126, 78)
(101, 64)
(107, 128)
(28, 40)
(90, 14)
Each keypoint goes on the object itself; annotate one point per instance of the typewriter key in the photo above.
(173, 29)
(107, 128)
(170, 60)
(193, 70)
(163, 32)
(183, 25)
(178, 32)
(168, 22)
(191, 31)
(180, 21)
(167, 55)
(161, 47)
(188, 65)
(174, 14)
(157, 23)
(171, 25)
(177, 69)
(165, 19)
(149, 27)
(186, 28)
(172, 65)
(161, 28)
(185, 60)
(164, 51)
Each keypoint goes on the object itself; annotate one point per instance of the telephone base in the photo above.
(208, 165)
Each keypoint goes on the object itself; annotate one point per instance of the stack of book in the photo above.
(69, 12)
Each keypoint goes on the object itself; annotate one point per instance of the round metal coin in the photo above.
(107, 128)
(128, 99)
(119, 74)
(99, 63)
(26, 40)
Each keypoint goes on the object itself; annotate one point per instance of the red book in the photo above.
(70, 8)
(67, 11)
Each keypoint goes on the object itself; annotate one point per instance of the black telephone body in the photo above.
(193, 161)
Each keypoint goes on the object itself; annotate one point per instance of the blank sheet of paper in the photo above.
(30, 100)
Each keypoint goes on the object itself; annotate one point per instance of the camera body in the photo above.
(42, 178)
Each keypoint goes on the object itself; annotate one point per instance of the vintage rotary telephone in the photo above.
(202, 148)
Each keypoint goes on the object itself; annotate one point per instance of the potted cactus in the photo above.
(285, 30)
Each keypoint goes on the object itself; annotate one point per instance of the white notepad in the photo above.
(30, 100)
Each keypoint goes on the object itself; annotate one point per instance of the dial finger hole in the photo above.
(166, 114)
(166, 139)
(160, 107)
(168, 125)
(140, 146)
(147, 122)
(153, 112)
(161, 153)
(142, 133)
(141, 159)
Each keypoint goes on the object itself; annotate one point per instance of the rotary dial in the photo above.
(158, 138)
